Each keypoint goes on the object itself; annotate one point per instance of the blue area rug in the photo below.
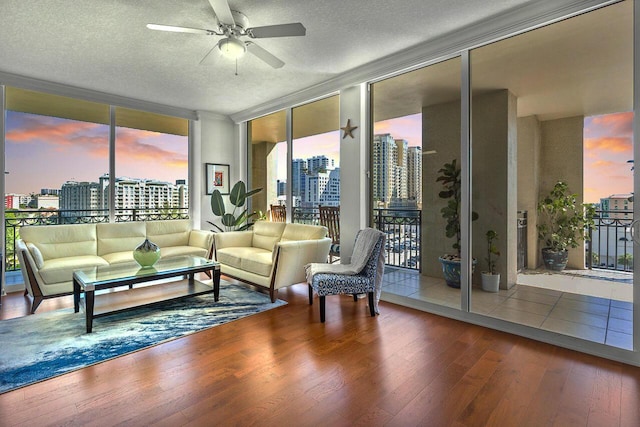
(41, 346)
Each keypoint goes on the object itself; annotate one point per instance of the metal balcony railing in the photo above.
(14, 219)
(402, 227)
(610, 243)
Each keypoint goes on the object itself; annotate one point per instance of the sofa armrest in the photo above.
(201, 239)
(28, 267)
(291, 257)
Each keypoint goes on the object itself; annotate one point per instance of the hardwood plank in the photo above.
(284, 367)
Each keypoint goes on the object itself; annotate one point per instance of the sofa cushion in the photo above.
(266, 234)
(169, 233)
(254, 260)
(303, 232)
(61, 269)
(120, 237)
(119, 257)
(62, 241)
(173, 251)
(36, 255)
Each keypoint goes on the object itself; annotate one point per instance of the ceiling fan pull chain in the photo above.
(236, 66)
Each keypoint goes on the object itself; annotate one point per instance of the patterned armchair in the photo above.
(364, 282)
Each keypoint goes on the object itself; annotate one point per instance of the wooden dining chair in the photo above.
(278, 213)
(330, 218)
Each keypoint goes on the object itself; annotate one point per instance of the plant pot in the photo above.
(451, 270)
(490, 282)
(554, 260)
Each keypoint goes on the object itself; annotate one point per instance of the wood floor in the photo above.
(283, 367)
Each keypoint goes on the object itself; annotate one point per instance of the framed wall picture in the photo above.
(217, 178)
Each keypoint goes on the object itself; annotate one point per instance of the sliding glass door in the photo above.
(552, 137)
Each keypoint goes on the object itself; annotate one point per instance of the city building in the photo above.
(391, 169)
(46, 201)
(414, 174)
(617, 206)
(323, 188)
(131, 193)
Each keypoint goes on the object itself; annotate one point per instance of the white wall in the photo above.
(216, 140)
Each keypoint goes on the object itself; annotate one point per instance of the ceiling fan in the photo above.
(232, 26)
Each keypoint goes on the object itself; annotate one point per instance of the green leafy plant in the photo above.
(563, 222)
(626, 260)
(492, 250)
(452, 184)
(238, 197)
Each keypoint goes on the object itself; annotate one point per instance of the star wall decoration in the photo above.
(348, 129)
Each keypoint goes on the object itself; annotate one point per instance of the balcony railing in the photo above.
(402, 227)
(611, 246)
(14, 219)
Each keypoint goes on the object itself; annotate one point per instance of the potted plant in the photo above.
(491, 278)
(563, 223)
(452, 186)
(238, 196)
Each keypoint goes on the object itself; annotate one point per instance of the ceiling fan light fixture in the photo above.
(232, 48)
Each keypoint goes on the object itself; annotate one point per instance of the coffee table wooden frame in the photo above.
(116, 302)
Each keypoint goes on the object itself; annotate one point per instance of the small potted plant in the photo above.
(563, 223)
(491, 278)
(452, 184)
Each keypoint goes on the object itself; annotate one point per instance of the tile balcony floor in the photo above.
(592, 305)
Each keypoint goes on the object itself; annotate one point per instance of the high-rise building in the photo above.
(323, 188)
(384, 148)
(281, 187)
(414, 174)
(81, 196)
(319, 164)
(298, 173)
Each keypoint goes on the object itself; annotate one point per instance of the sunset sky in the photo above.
(608, 146)
(45, 152)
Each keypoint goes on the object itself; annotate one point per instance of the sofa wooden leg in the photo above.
(322, 298)
(310, 295)
(272, 294)
(355, 297)
(35, 303)
(372, 309)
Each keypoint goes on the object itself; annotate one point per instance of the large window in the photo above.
(313, 176)
(57, 162)
(151, 164)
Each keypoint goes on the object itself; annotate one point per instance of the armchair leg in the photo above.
(371, 307)
(310, 295)
(355, 297)
(322, 308)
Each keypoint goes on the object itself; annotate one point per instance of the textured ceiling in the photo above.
(104, 45)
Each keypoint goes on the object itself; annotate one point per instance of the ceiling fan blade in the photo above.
(210, 57)
(283, 30)
(223, 11)
(173, 29)
(264, 55)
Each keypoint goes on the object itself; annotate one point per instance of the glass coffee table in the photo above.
(128, 275)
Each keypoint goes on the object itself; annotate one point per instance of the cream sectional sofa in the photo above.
(49, 254)
(271, 254)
